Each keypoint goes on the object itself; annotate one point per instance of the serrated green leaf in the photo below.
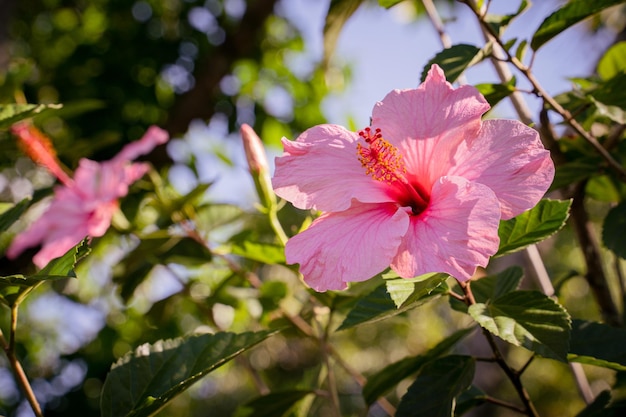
(434, 391)
(405, 291)
(142, 382)
(10, 216)
(275, 404)
(613, 230)
(13, 113)
(379, 305)
(455, 60)
(574, 171)
(598, 344)
(529, 319)
(494, 93)
(262, 252)
(339, 12)
(492, 287)
(469, 399)
(532, 226)
(571, 13)
(383, 381)
(613, 62)
(15, 288)
(611, 93)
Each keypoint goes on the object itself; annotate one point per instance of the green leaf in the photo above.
(13, 113)
(494, 93)
(469, 399)
(434, 391)
(142, 382)
(262, 252)
(379, 304)
(10, 216)
(598, 344)
(568, 15)
(388, 3)
(275, 404)
(521, 50)
(383, 381)
(532, 226)
(492, 287)
(499, 23)
(613, 230)
(574, 171)
(15, 288)
(611, 93)
(455, 60)
(406, 291)
(339, 12)
(529, 319)
(597, 406)
(613, 62)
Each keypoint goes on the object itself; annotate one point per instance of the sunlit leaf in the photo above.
(613, 230)
(405, 291)
(613, 62)
(435, 388)
(571, 13)
(14, 288)
(275, 404)
(532, 226)
(13, 113)
(263, 252)
(142, 382)
(383, 381)
(339, 12)
(379, 304)
(388, 3)
(494, 93)
(455, 60)
(598, 344)
(529, 319)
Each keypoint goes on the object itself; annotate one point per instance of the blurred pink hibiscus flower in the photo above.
(422, 190)
(82, 206)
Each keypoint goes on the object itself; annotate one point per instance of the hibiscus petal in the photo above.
(458, 231)
(321, 170)
(508, 157)
(351, 245)
(429, 122)
(153, 137)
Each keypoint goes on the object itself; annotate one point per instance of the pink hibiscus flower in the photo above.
(82, 206)
(421, 190)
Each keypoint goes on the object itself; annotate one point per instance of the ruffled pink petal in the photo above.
(429, 122)
(352, 245)
(457, 233)
(321, 170)
(508, 157)
(153, 137)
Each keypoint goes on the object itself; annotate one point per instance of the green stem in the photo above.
(514, 377)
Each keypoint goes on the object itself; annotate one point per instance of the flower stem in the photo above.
(20, 375)
(514, 377)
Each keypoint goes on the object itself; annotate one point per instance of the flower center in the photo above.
(384, 163)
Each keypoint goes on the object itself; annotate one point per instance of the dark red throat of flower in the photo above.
(384, 163)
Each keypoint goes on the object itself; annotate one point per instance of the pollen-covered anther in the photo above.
(380, 158)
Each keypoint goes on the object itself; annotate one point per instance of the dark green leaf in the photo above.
(469, 399)
(384, 380)
(434, 391)
(568, 15)
(339, 12)
(613, 62)
(10, 216)
(532, 226)
(13, 113)
(500, 23)
(492, 287)
(455, 60)
(597, 406)
(574, 171)
(612, 93)
(598, 344)
(275, 404)
(527, 318)
(494, 93)
(379, 305)
(613, 230)
(142, 382)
